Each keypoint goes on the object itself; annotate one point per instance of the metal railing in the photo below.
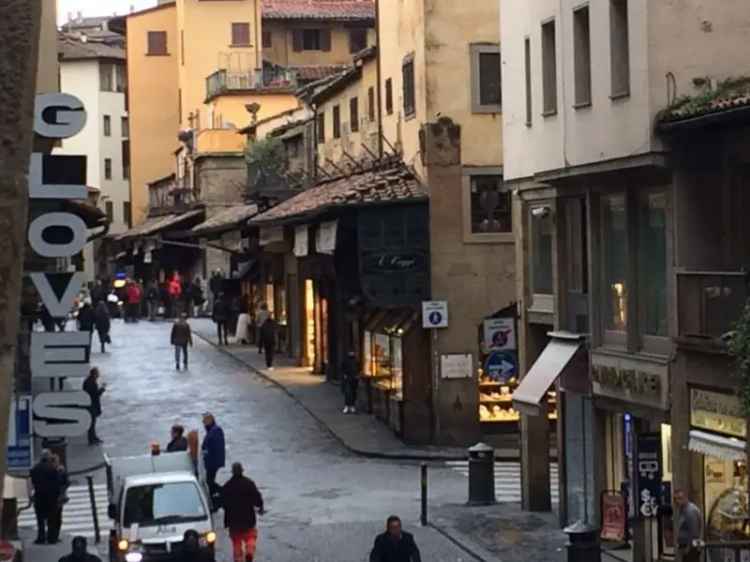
(709, 302)
(224, 81)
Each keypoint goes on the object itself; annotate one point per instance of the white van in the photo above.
(153, 500)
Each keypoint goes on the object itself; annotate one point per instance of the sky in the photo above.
(98, 7)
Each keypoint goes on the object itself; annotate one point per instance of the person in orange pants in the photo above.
(241, 499)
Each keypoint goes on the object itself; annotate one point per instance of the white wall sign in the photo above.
(58, 354)
(435, 314)
(456, 366)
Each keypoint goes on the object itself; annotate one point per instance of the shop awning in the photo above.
(154, 225)
(713, 445)
(528, 396)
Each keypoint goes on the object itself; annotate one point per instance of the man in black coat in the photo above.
(44, 478)
(221, 317)
(395, 545)
(178, 442)
(80, 554)
(94, 390)
(241, 499)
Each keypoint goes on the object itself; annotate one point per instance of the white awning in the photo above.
(728, 448)
(528, 396)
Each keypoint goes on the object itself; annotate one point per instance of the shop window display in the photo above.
(726, 503)
(382, 351)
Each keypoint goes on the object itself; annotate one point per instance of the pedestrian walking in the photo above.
(102, 323)
(92, 387)
(152, 300)
(395, 545)
(98, 293)
(134, 295)
(80, 552)
(221, 318)
(261, 316)
(86, 320)
(268, 340)
(56, 515)
(196, 291)
(689, 527)
(350, 383)
(190, 550)
(215, 286)
(241, 499)
(179, 442)
(214, 454)
(174, 287)
(182, 336)
(44, 479)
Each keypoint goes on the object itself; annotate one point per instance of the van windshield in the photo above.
(162, 504)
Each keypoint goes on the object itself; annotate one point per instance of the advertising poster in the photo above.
(613, 517)
(500, 334)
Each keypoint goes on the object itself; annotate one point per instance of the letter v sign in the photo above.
(58, 307)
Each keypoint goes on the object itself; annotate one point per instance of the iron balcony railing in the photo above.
(225, 81)
(709, 302)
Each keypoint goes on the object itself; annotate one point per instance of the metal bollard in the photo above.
(423, 513)
(97, 533)
(583, 543)
(9, 519)
(481, 475)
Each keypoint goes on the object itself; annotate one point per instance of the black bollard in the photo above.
(423, 514)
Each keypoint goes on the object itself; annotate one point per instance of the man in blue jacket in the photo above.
(214, 452)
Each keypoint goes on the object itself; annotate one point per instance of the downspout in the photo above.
(379, 79)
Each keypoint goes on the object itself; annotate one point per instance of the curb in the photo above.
(460, 544)
(356, 451)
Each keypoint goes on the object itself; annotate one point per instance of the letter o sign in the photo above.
(69, 221)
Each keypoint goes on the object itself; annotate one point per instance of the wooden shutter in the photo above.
(325, 40)
(354, 114)
(157, 42)
(298, 40)
(241, 33)
(371, 104)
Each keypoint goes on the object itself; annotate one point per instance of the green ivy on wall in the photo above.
(739, 347)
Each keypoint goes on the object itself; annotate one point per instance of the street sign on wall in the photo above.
(435, 314)
(20, 439)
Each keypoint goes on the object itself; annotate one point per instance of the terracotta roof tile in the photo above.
(72, 48)
(729, 95)
(340, 10)
(311, 73)
(226, 218)
(393, 184)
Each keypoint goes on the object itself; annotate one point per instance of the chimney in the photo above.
(80, 15)
(70, 17)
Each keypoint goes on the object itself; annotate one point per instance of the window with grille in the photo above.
(408, 84)
(336, 122)
(354, 114)
(389, 96)
(490, 205)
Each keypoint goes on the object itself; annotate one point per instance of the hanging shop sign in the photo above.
(500, 334)
(648, 472)
(301, 241)
(435, 314)
(325, 238)
(456, 366)
(639, 382)
(54, 355)
(20, 435)
(614, 517)
(717, 412)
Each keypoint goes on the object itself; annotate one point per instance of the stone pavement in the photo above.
(362, 434)
(51, 552)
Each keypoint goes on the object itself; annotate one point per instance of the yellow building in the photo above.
(440, 105)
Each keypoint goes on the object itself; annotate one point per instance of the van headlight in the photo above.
(207, 539)
(122, 545)
(133, 557)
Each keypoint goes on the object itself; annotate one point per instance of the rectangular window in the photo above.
(357, 39)
(549, 68)
(126, 213)
(371, 104)
(121, 79)
(485, 79)
(106, 80)
(107, 168)
(321, 128)
(109, 209)
(652, 263)
(527, 77)
(542, 229)
(490, 205)
(182, 47)
(615, 255)
(311, 40)
(389, 96)
(336, 122)
(240, 34)
(407, 71)
(619, 47)
(575, 262)
(267, 40)
(582, 57)
(126, 159)
(157, 43)
(354, 114)
(125, 127)
(107, 126)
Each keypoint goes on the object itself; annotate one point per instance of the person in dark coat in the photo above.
(190, 549)
(268, 340)
(152, 300)
(102, 323)
(56, 516)
(350, 382)
(395, 545)
(98, 293)
(214, 452)
(94, 390)
(181, 337)
(86, 322)
(80, 554)
(221, 318)
(179, 442)
(44, 479)
(241, 499)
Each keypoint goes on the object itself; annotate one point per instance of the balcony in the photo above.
(269, 79)
(709, 303)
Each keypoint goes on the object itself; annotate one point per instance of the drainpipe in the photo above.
(379, 79)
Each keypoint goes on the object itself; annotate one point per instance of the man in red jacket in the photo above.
(241, 498)
(134, 295)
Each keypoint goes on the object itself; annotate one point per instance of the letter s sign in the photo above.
(63, 414)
